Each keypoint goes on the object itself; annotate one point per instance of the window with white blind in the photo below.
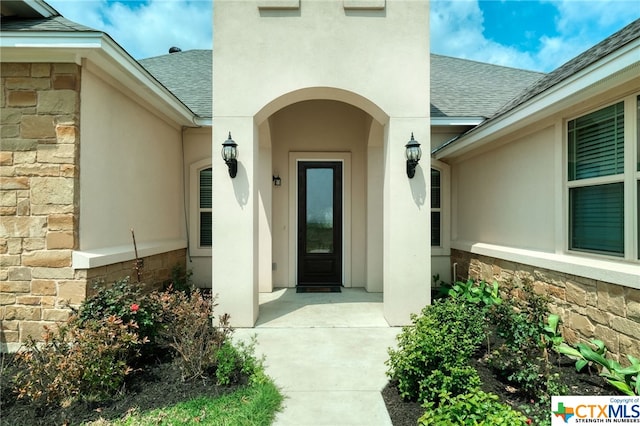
(601, 186)
(200, 208)
(436, 208)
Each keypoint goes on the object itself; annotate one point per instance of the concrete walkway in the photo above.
(326, 352)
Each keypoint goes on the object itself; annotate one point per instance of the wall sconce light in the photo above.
(413, 153)
(276, 180)
(230, 155)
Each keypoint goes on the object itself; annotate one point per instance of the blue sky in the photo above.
(536, 35)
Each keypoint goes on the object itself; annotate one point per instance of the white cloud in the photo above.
(146, 29)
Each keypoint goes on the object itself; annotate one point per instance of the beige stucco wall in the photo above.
(131, 162)
(376, 60)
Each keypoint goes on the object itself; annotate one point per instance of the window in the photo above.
(436, 209)
(601, 185)
(205, 207)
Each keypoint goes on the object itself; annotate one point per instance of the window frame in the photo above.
(444, 249)
(195, 248)
(629, 179)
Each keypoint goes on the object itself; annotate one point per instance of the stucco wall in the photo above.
(131, 162)
(505, 196)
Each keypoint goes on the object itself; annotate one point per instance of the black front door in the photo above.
(319, 223)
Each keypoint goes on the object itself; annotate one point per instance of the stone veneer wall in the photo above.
(588, 308)
(39, 202)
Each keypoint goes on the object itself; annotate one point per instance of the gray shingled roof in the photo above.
(187, 75)
(55, 23)
(464, 88)
(580, 62)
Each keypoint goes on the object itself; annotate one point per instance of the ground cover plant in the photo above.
(130, 357)
(519, 363)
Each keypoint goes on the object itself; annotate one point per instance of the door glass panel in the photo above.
(319, 210)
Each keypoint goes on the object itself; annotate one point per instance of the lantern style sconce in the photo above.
(413, 153)
(276, 180)
(230, 155)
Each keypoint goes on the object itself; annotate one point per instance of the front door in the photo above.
(319, 223)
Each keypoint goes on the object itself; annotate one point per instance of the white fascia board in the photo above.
(93, 258)
(102, 50)
(456, 121)
(611, 71)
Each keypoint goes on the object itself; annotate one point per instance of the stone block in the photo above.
(14, 183)
(72, 291)
(57, 102)
(52, 273)
(28, 83)
(550, 277)
(9, 336)
(576, 293)
(8, 198)
(37, 127)
(25, 157)
(21, 98)
(7, 298)
(57, 153)
(32, 244)
(609, 337)
(66, 68)
(19, 273)
(20, 145)
(47, 209)
(66, 133)
(51, 170)
(629, 346)
(633, 294)
(23, 226)
(15, 286)
(611, 298)
(47, 190)
(581, 324)
(23, 208)
(28, 300)
(48, 301)
(35, 329)
(47, 258)
(68, 170)
(22, 313)
(633, 310)
(9, 260)
(59, 315)
(14, 245)
(65, 81)
(9, 131)
(40, 70)
(43, 288)
(7, 171)
(60, 240)
(8, 211)
(6, 158)
(598, 316)
(15, 69)
(626, 326)
(60, 222)
(10, 116)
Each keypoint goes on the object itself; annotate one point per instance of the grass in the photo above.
(254, 404)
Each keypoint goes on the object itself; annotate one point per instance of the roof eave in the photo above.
(98, 47)
(456, 121)
(612, 70)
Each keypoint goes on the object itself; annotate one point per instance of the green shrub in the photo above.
(77, 360)
(479, 293)
(433, 353)
(475, 408)
(235, 361)
(126, 301)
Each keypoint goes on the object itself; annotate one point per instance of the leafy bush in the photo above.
(125, 301)
(433, 353)
(189, 331)
(85, 360)
(472, 292)
(527, 336)
(235, 361)
(473, 408)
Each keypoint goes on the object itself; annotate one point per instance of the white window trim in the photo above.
(194, 209)
(445, 209)
(629, 178)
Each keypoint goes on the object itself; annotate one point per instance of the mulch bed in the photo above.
(157, 385)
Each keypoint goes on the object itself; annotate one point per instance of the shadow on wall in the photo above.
(241, 186)
(418, 187)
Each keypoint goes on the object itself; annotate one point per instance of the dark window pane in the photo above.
(597, 218)
(205, 188)
(435, 189)
(596, 143)
(435, 229)
(205, 229)
(319, 210)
